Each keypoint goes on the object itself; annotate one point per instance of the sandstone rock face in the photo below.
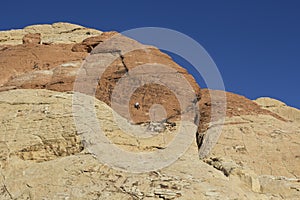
(42, 158)
(62, 33)
(211, 121)
(279, 108)
(44, 155)
(17, 60)
(256, 144)
(62, 77)
(134, 64)
(88, 44)
(263, 143)
(237, 105)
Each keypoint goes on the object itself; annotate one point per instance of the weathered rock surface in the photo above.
(57, 33)
(263, 143)
(236, 105)
(113, 67)
(90, 43)
(256, 144)
(43, 158)
(17, 60)
(32, 38)
(279, 108)
(211, 121)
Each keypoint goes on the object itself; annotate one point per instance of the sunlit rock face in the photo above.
(43, 154)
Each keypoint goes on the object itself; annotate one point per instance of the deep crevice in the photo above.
(123, 62)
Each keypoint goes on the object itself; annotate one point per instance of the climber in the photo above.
(137, 105)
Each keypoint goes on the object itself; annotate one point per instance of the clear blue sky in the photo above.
(255, 44)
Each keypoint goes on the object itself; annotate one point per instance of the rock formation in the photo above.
(55, 72)
(279, 108)
(43, 154)
(258, 143)
(57, 33)
(43, 157)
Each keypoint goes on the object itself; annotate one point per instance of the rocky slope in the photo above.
(43, 154)
(42, 157)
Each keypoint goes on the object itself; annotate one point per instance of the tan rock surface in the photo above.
(57, 33)
(211, 120)
(236, 105)
(32, 38)
(263, 143)
(259, 143)
(42, 158)
(279, 108)
(43, 155)
(260, 147)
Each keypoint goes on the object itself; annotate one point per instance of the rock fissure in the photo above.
(5, 187)
(123, 62)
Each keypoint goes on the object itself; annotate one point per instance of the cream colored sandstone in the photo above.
(279, 108)
(43, 158)
(56, 33)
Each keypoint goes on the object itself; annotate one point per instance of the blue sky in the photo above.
(255, 44)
